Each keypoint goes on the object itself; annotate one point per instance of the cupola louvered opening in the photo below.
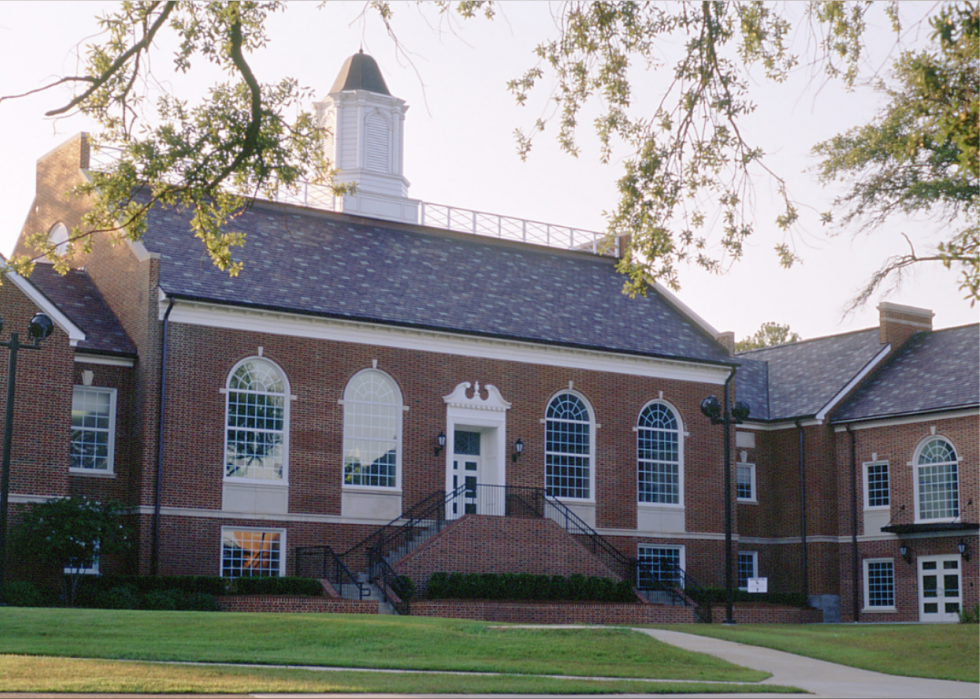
(376, 143)
(330, 137)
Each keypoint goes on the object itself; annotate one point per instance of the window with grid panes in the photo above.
(657, 564)
(658, 455)
(876, 484)
(568, 448)
(93, 425)
(255, 444)
(251, 553)
(745, 482)
(937, 481)
(372, 424)
(748, 567)
(879, 583)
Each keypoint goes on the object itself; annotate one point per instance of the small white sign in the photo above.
(758, 584)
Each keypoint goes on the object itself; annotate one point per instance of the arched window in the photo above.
(58, 236)
(257, 420)
(568, 453)
(658, 455)
(372, 430)
(937, 490)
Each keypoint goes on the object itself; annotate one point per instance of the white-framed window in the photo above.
(372, 430)
(93, 430)
(659, 455)
(879, 584)
(253, 552)
(876, 489)
(256, 421)
(59, 236)
(569, 436)
(748, 567)
(656, 563)
(91, 569)
(745, 483)
(937, 489)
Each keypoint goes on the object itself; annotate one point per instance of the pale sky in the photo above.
(460, 148)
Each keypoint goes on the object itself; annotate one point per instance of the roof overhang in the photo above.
(45, 305)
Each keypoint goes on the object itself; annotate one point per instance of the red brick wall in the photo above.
(554, 612)
(291, 604)
(487, 544)
(896, 444)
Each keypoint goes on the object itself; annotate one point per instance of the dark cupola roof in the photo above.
(360, 72)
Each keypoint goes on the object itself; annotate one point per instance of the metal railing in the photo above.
(323, 563)
(453, 218)
(670, 584)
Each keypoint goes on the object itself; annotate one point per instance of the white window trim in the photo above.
(282, 546)
(287, 400)
(680, 548)
(592, 445)
(867, 593)
(90, 570)
(755, 564)
(680, 456)
(915, 479)
(399, 438)
(867, 489)
(110, 470)
(754, 499)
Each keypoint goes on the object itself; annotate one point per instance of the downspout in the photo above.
(806, 581)
(155, 559)
(854, 527)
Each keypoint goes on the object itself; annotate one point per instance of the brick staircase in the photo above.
(489, 529)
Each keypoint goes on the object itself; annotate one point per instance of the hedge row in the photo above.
(93, 586)
(789, 599)
(525, 586)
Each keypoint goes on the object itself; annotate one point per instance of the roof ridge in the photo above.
(808, 340)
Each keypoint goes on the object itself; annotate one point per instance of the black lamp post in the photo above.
(40, 328)
(712, 410)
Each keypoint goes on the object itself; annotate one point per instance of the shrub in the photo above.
(118, 598)
(403, 586)
(278, 586)
(438, 586)
(200, 602)
(970, 615)
(164, 600)
(22, 594)
(526, 586)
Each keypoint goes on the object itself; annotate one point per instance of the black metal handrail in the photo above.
(697, 593)
(323, 563)
(385, 577)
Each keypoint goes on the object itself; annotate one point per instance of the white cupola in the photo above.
(365, 126)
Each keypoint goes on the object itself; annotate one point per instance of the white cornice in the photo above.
(376, 334)
(781, 425)
(75, 333)
(494, 401)
(932, 416)
(104, 360)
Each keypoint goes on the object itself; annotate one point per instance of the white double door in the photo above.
(940, 588)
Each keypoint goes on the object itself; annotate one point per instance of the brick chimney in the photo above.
(898, 323)
(727, 340)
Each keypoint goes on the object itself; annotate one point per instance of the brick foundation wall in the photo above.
(293, 604)
(555, 612)
(760, 613)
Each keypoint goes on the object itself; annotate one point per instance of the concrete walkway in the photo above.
(817, 676)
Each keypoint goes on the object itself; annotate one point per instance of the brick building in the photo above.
(376, 353)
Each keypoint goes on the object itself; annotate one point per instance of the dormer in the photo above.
(365, 141)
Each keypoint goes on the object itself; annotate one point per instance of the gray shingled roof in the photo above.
(937, 370)
(802, 377)
(752, 387)
(360, 72)
(330, 265)
(79, 299)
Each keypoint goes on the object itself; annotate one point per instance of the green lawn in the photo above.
(20, 673)
(353, 641)
(936, 651)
